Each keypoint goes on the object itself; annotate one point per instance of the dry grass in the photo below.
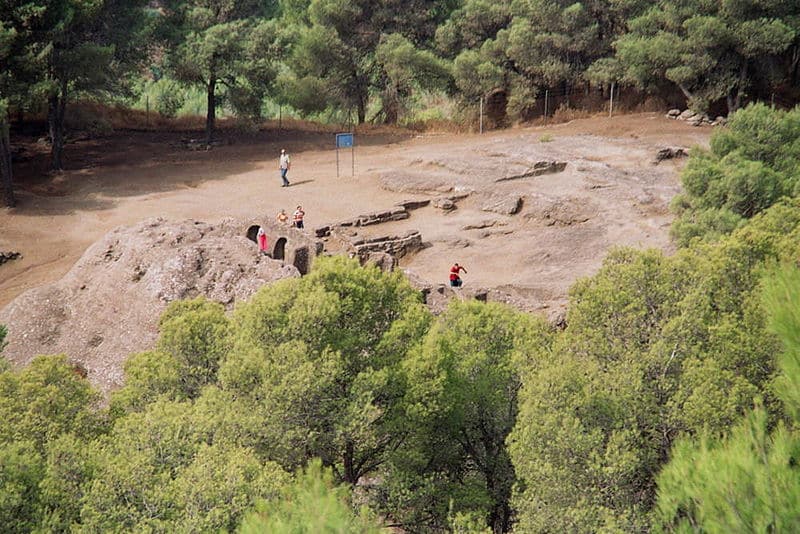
(566, 114)
(101, 118)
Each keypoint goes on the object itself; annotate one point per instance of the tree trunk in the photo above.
(362, 109)
(685, 92)
(391, 105)
(211, 114)
(56, 110)
(5, 163)
(350, 476)
(737, 102)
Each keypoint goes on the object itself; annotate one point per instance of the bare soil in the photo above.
(610, 194)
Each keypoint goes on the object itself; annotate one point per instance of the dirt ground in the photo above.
(610, 193)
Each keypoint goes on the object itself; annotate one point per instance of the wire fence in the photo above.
(565, 103)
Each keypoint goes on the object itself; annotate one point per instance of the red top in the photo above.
(454, 270)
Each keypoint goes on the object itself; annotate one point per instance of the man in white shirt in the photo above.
(284, 165)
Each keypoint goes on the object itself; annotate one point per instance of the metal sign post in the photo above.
(346, 140)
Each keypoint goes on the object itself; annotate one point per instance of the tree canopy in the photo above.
(382, 60)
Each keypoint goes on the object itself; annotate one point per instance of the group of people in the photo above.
(284, 164)
(283, 219)
(297, 217)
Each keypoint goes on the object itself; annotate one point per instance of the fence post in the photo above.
(611, 103)
(480, 122)
(546, 104)
(147, 111)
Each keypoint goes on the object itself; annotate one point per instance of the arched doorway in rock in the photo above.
(252, 233)
(301, 260)
(279, 251)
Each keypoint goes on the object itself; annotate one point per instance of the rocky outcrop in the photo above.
(539, 168)
(414, 204)
(559, 211)
(9, 256)
(480, 225)
(108, 305)
(394, 214)
(397, 246)
(397, 213)
(437, 296)
(448, 202)
(694, 118)
(503, 204)
(444, 204)
(383, 260)
(670, 153)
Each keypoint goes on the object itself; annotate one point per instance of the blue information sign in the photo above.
(344, 140)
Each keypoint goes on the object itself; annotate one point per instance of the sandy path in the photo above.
(58, 219)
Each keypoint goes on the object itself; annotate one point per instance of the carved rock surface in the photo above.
(397, 246)
(108, 305)
(503, 204)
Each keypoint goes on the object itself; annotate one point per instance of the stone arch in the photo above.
(301, 260)
(252, 233)
(279, 251)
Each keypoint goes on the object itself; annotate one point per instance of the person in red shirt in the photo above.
(298, 216)
(455, 279)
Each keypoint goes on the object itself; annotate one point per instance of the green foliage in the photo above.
(311, 504)
(472, 24)
(527, 46)
(220, 485)
(709, 50)
(405, 69)
(38, 405)
(168, 97)
(351, 49)
(232, 44)
(316, 359)
(554, 41)
(148, 375)
(747, 482)
(20, 472)
(460, 405)
(4, 365)
(68, 467)
(194, 339)
(751, 165)
(69, 47)
(195, 334)
(46, 399)
(476, 73)
(159, 469)
(782, 299)
(655, 348)
(750, 480)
